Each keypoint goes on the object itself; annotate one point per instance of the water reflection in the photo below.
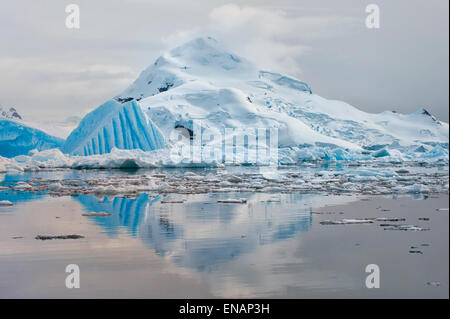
(16, 196)
(127, 213)
(201, 233)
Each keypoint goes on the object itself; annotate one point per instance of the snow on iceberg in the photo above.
(114, 124)
(200, 82)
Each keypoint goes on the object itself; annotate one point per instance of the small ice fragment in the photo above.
(22, 186)
(405, 227)
(346, 221)
(233, 201)
(172, 201)
(55, 187)
(274, 200)
(96, 214)
(442, 209)
(234, 179)
(5, 203)
(434, 283)
(50, 237)
(390, 219)
(190, 174)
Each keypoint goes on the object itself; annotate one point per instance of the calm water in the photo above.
(271, 246)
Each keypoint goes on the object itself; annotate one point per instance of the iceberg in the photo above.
(200, 81)
(19, 139)
(114, 125)
(203, 91)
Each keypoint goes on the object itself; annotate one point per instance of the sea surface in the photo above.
(231, 244)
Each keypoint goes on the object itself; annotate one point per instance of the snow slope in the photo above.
(199, 81)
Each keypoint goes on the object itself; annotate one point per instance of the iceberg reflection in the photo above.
(201, 233)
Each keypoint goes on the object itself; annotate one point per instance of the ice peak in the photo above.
(10, 114)
(206, 51)
(200, 59)
(198, 43)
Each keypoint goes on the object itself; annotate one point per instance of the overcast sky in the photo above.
(50, 72)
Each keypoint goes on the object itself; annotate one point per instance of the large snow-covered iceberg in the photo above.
(114, 124)
(201, 85)
(200, 81)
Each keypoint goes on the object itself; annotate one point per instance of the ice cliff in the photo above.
(114, 124)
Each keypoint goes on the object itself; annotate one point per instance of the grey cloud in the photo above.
(403, 65)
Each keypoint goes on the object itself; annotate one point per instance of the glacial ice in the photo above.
(111, 125)
(18, 139)
(200, 82)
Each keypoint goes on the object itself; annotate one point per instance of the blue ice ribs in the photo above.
(114, 124)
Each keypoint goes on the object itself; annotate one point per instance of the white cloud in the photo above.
(270, 37)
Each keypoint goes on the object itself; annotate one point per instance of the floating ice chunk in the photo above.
(234, 179)
(96, 214)
(363, 179)
(371, 172)
(417, 188)
(346, 221)
(190, 174)
(274, 200)
(434, 283)
(437, 152)
(54, 155)
(405, 228)
(233, 201)
(106, 190)
(273, 189)
(5, 203)
(389, 219)
(22, 158)
(21, 186)
(50, 237)
(172, 201)
(381, 153)
(56, 187)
